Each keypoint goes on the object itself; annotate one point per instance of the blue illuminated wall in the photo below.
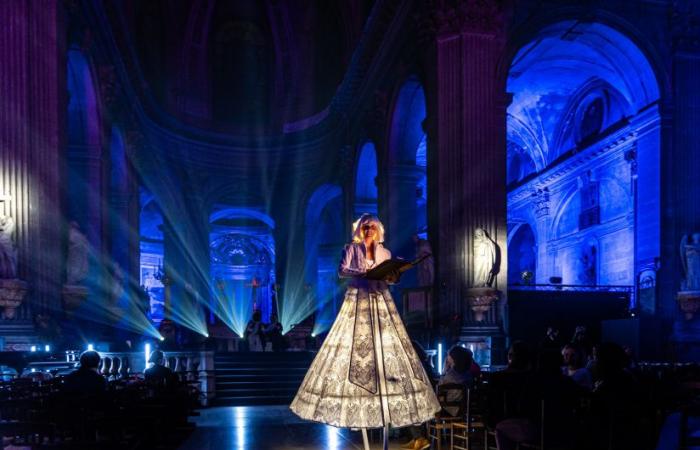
(583, 149)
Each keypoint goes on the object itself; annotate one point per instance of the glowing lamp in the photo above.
(147, 353)
(90, 347)
(440, 358)
(32, 348)
(47, 348)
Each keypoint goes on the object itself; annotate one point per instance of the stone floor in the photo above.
(271, 428)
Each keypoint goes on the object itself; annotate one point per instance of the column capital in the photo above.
(442, 18)
(685, 30)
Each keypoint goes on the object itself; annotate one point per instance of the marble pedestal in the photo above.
(689, 302)
(12, 294)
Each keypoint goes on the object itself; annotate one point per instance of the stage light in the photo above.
(90, 347)
(313, 335)
(161, 338)
(439, 368)
(33, 370)
(147, 353)
(32, 348)
(47, 348)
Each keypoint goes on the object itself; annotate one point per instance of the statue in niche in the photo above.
(690, 257)
(8, 250)
(484, 259)
(587, 274)
(77, 260)
(426, 268)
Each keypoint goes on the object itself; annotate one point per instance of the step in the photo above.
(252, 401)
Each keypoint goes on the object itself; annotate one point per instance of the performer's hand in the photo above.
(393, 277)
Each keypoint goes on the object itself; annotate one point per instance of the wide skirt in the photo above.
(366, 373)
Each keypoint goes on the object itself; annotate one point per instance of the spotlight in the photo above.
(440, 358)
(241, 335)
(47, 348)
(161, 338)
(33, 370)
(90, 347)
(313, 334)
(32, 348)
(206, 335)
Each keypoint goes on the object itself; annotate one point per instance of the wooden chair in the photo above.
(472, 425)
(444, 419)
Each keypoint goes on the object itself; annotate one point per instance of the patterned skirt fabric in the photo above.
(366, 373)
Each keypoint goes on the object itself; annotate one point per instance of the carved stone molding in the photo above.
(685, 27)
(445, 17)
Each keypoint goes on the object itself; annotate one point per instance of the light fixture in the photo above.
(439, 368)
(32, 348)
(147, 353)
(47, 348)
(90, 347)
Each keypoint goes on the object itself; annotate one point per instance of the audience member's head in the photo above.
(461, 358)
(257, 315)
(518, 356)
(157, 357)
(549, 362)
(90, 360)
(611, 359)
(574, 356)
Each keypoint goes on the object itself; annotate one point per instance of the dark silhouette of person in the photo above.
(86, 380)
(158, 374)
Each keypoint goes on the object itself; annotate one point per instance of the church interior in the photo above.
(183, 181)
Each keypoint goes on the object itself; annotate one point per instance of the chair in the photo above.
(444, 419)
(474, 422)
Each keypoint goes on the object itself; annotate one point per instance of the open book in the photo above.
(390, 265)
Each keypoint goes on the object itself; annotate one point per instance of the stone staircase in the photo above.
(259, 378)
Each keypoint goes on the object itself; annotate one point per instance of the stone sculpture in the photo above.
(484, 259)
(8, 251)
(690, 257)
(426, 268)
(77, 261)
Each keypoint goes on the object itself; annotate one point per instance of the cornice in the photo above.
(609, 145)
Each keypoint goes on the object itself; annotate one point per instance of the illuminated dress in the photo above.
(366, 374)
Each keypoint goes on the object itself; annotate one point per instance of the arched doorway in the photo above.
(242, 254)
(522, 256)
(583, 150)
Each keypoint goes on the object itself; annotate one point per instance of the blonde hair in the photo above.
(358, 235)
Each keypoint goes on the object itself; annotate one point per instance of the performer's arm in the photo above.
(345, 270)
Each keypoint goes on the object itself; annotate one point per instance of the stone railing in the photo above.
(190, 366)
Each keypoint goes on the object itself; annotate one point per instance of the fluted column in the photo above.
(32, 86)
(470, 128)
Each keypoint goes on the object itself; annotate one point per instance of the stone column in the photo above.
(32, 82)
(402, 223)
(469, 111)
(543, 222)
(680, 189)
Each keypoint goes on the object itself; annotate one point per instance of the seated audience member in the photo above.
(616, 402)
(560, 396)
(475, 368)
(158, 374)
(457, 365)
(425, 361)
(582, 340)
(506, 387)
(86, 380)
(574, 359)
